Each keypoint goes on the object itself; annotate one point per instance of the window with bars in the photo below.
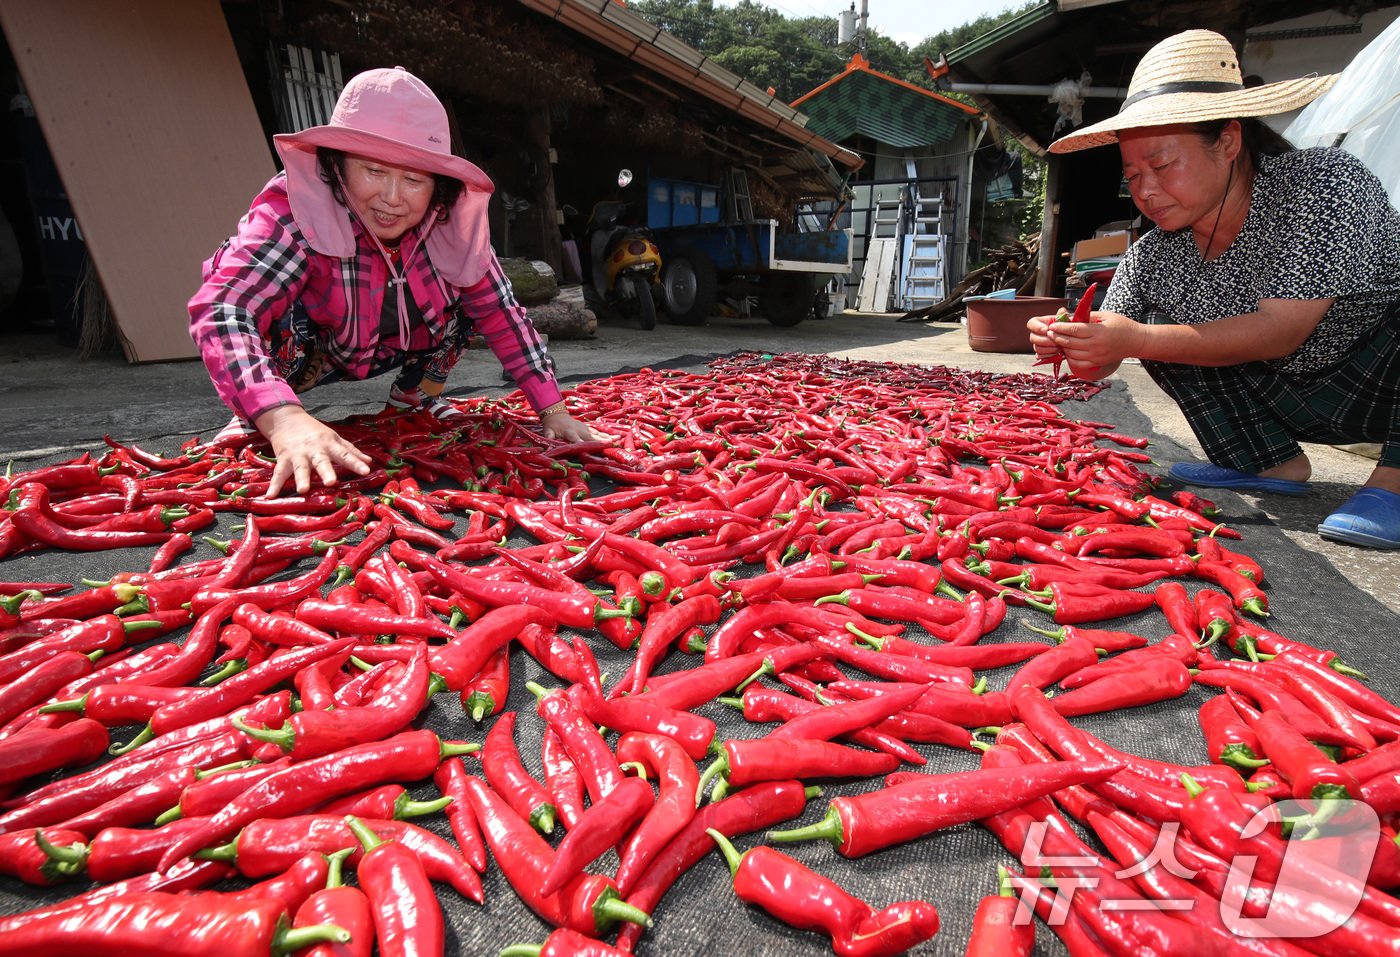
(305, 85)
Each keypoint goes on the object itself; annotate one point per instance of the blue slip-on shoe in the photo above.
(1217, 476)
(1370, 518)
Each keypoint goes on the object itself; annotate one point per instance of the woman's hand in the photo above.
(1096, 348)
(303, 444)
(565, 428)
(1039, 327)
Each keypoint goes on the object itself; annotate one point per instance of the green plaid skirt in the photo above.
(1250, 417)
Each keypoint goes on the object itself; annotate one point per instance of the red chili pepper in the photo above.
(749, 761)
(801, 898)
(1147, 682)
(500, 761)
(40, 750)
(339, 904)
(244, 686)
(148, 922)
(864, 823)
(698, 685)
(1312, 775)
(752, 809)
(677, 782)
(1172, 646)
(1071, 605)
(309, 734)
(407, 916)
(271, 845)
(26, 855)
(408, 756)
(997, 931)
(103, 633)
(588, 904)
(34, 518)
(42, 681)
(600, 828)
(762, 704)
(586, 747)
(663, 627)
(1056, 733)
(563, 779)
(1059, 662)
(1228, 739)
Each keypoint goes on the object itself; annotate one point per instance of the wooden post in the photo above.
(1049, 229)
(538, 132)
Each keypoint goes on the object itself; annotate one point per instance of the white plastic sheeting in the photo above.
(1361, 113)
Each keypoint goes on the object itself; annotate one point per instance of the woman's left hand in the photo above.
(563, 427)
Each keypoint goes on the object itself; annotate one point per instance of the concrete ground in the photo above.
(53, 405)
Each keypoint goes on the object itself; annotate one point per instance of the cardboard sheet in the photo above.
(148, 116)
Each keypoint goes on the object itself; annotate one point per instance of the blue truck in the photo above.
(706, 257)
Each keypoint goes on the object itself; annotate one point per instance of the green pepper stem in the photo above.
(1192, 786)
(233, 667)
(610, 909)
(406, 807)
(521, 950)
(841, 598)
(284, 738)
(717, 767)
(67, 855)
(541, 818)
(72, 704)
(479, 704)
(732, 857)
(451, 749)
(335, 866)
(829, 828)
(367, 838)
(221, 852)
(171, 814)
(290, 939)
(1342, 668)
(144, 735)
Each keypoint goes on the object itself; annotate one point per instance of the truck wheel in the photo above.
(689, 286)
(787, 297)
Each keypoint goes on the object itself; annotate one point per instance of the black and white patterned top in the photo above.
(1320, 226)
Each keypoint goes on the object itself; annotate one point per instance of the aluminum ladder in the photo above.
(925, 262)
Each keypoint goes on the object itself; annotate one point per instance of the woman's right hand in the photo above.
(305, 445)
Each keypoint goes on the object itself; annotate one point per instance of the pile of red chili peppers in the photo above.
(828, 546)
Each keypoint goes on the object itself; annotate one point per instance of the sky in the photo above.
(908, 21)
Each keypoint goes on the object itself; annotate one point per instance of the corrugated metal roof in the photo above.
(617, 28)
(1003, 30)
(888, 110)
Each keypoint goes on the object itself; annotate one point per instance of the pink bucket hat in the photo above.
(390, 116)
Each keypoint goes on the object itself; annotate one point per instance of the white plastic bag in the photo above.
(1361, 113)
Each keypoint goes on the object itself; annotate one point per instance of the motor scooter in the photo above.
(624, 262)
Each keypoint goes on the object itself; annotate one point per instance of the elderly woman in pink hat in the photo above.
(1266, 302)
(370, 253)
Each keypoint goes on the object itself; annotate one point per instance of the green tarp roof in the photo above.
(882, 108)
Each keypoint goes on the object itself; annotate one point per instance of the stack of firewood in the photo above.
(1011, 266)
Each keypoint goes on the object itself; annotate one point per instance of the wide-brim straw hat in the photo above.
(1193, 77)
(391, 116)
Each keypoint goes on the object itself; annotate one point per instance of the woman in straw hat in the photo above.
(1266, 302)
(370, 253)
